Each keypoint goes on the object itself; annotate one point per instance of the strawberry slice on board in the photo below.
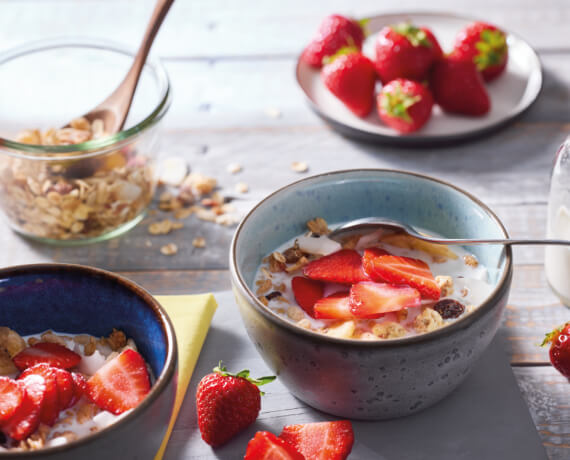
(335, 306)
(121, 384)
(307, 292)
(266, 446)
(54, 354)
(401, 270)
(11, 396)
(344, 266)
(50, 407)
(321, 440)
(26, 419)
(372, 300)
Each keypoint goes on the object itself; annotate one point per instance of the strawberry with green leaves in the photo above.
(405, 51)
(559, 340)
(486, 46)
(227, 403)
(351, 77)
(334, 33)
(404, 105)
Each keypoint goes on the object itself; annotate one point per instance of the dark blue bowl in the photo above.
(79, 299)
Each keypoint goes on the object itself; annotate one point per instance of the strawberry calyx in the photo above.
(551, 336)
(396, 103)
(363, 23)
(222, 371)
(415, 35)
(492, 47)
(352, 48)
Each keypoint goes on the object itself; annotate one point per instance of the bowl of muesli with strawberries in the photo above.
(87, 365)
(378, 324)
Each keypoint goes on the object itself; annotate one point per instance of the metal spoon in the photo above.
(375, 223)
(113, 110)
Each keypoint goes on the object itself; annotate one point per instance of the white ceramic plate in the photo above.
(511, 93)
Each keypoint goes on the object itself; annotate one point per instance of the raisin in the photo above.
(272, 295)
(293, 254)
(449, 308)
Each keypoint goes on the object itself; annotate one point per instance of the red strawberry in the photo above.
(79, 388)
(11, 396)
(307, 292)
(227, 403)
(486, 46)
(559, 340)
(405, 51)
(322, 440)
(351, 77)
(401, 270)
(335, 306)
(26, 419)
(50, 407)
(121, 384)
(404, 105)
(344, 266)
(371, 300)
(65, 388)
(54, 354)
(334, 33)
(458, 88)
(266, 446)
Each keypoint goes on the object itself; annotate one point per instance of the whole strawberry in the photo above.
(334, 33)
(405, 51)
(559, 340)
(486, 46)
(227, 403)
(458, 87)
(404, 105)
(351, 77)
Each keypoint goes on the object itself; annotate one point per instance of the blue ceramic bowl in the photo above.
(357, 378)
(78, 299)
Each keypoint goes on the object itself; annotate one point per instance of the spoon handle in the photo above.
(494, 241)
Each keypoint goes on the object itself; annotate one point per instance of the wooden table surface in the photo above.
(235, 100)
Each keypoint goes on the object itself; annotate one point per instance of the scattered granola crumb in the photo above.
(470, 260)
(445, 283)
(242, 187)
(389, 330)
(318, 226)
(263, 300)
(464, 291)
(162, 227)
(199, 242)
(234, 168)
(263, 286)
(299, 166)
(117, 339)
(295, 313)
(169, 249)
(428, 320)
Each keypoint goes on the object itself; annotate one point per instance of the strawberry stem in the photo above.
(221, 370)
(363, 23)
(551, 336)
(397, 103)
(492, 46)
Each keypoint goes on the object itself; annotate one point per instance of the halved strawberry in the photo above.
(344, 266)
(307, 292)
(401, 270)
(65, 388)
(266, 446)
(121, 384)
(321, 440)
(54, 354)
(11, 396)
(335, 306)
(26, 419)
(50, 407)
(79, 388)
(371, 300)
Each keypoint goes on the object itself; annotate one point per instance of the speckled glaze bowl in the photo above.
(78, 299)
(369, 379)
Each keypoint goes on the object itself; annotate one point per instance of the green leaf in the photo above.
(363, 23)
(221, 370)
(415, 35)
(397, 103)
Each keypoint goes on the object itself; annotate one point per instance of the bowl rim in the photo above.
(490, 302)
(93, 147)
(162, 380)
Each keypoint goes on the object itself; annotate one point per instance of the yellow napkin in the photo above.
(191, 316)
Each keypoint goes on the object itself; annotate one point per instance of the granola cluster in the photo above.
(74, 199)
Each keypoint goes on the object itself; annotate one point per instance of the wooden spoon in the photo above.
(113, 110)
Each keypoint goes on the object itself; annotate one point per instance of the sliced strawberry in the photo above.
(401, 270)
(79, 388)
(344, 266)
(65, 388)
(121, 384)
(11, 396)
(266, 446)
(26, 419)
(321, 440)
(371, 300)
(54, 354)
(335, 306)
(307, 292)
(50, 406)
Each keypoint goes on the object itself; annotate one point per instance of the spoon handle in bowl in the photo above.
(496, 241)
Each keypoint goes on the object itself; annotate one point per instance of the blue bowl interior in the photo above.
(80, 303)
(340, 197)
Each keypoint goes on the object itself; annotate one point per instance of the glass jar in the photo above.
(557, 258)
(59, 186)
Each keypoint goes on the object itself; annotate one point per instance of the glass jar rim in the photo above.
(92, 147)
